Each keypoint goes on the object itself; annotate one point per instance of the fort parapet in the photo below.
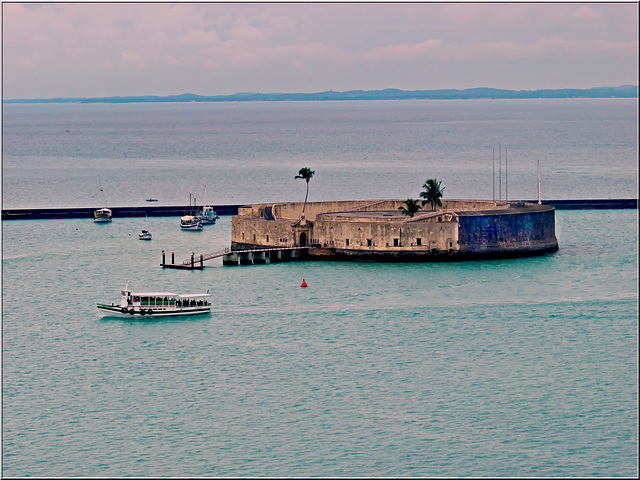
(378, 230)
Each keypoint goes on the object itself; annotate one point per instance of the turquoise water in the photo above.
(524, 367)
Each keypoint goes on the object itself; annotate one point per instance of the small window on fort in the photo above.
(418, 241)
(267, 238)
(396, 242)
(347, 242)
(369, 242)
(254, 237)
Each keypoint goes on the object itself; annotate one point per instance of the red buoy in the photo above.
(304, 284)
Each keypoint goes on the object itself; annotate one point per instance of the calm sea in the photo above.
(524, 367)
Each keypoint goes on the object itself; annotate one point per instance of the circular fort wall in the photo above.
(510, 229)
(520, 230)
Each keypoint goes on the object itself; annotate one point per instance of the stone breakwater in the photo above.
(377, 230)
(118, 212)
(173, 211)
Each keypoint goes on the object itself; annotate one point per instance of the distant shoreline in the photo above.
(624, 91)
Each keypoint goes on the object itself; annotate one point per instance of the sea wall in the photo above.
(172, 211)
(118, 212)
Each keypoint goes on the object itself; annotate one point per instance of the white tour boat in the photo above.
(190, 222)
(159, 304)
(102, 215)
(208, 216)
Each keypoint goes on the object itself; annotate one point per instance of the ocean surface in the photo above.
(522, 367)
(62, 155)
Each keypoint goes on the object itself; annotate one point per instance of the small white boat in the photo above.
(208, 216)
(158, 304)
(190, 222)
(144, 234)
(102, 215)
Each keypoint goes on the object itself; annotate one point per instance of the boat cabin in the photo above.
(162, 300)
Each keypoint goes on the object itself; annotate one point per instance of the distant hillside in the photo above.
(625, 91)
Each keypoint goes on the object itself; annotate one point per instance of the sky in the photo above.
(121, 49)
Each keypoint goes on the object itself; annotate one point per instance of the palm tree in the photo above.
(410, 207)
(432, 193)
(306, 173)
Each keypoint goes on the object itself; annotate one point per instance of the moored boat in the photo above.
(158, 304)
(208, 216)
(102, 215)
(190, 222)
(144, 234)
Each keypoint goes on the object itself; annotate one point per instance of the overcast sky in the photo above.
(92, 50)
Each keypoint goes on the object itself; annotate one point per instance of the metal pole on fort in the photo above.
(500, 172)
(539, 202)
(506, 176)
(493, 174)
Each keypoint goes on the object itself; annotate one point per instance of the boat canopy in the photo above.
(195, 295)
(165, 294)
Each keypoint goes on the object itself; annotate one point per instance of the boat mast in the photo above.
(204, 203)
(506, 176)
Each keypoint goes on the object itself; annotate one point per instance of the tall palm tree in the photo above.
(305, 173)
(410, 207)
(432, 193)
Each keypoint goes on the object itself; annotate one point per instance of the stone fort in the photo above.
(377, 230)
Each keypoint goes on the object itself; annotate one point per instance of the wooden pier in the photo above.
(191, 264)
(239, 257)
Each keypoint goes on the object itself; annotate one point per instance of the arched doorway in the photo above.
(303, 239)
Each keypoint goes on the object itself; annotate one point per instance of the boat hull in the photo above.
(102, 219)
(144, 313)
(190, 222)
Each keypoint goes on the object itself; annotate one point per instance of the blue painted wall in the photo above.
(503, 232)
